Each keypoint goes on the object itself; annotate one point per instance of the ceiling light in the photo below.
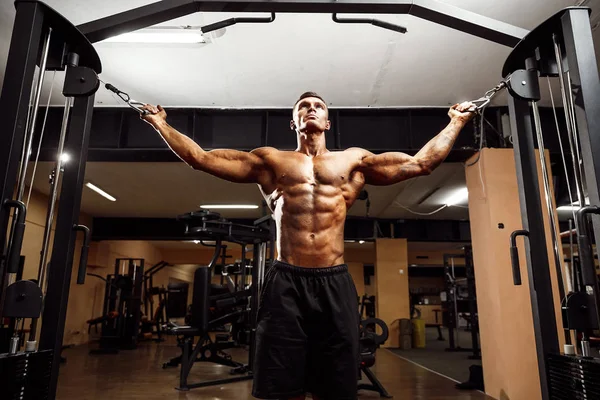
(65, 157)
(361, 241)
(197, 241)
(458, 196)
(159, 36)
(100, 191)
(568, 208)
(573, 206)
(229, 206)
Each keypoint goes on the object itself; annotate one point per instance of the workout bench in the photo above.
(205, 349)
(369, 342)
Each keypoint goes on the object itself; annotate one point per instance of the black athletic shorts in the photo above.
(307, 334)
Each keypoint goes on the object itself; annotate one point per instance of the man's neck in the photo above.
(312, 144)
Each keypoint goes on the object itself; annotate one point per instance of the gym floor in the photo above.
(138, 374)
(454, 365)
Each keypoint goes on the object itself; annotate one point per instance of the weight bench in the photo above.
(201, 324)
(209, 351)
(369, 342)
(99, 320)
(438, 325)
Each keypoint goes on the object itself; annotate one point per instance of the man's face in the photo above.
(311, 114)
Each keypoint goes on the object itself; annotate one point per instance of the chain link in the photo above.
(485, 100)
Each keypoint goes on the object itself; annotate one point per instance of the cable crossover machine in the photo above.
(43, 40)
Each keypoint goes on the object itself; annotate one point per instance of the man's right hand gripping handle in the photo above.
(232, 165)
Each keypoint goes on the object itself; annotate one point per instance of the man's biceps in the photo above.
(370, 161)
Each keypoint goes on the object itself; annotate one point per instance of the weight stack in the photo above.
(25, 376)
(573, 377)
(405, 334)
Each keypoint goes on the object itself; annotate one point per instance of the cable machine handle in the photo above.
(514, 255)
(83, 258)
(237, 20)
(374, 22)
(14, 254)
(586, 254)
(387, 25)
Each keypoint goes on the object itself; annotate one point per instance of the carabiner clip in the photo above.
(136, 106)
(127, 99)
(480, 103)
(484, 101)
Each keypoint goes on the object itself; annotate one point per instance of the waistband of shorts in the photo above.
(311, 271)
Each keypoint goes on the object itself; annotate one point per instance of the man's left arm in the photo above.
(394, 167)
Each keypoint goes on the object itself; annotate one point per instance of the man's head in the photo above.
(310, 114)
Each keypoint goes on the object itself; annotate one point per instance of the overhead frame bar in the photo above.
(430, 10)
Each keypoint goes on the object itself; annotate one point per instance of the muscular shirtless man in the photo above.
(307, 333)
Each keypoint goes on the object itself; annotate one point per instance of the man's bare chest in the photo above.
(330, 171)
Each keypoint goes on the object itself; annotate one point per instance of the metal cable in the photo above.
(37, 156)
(418, 213)
(556, 241)
(568, 121)
(562, 151)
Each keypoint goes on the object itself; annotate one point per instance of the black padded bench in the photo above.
(226, 308)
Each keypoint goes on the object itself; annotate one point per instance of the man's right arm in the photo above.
(232, 165)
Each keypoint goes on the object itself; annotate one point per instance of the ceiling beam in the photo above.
(468, 22)
(356, 228)
(119, 135)
(137, 18)
(430, 10)
(166, 155)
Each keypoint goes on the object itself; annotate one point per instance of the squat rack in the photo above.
(34, 17)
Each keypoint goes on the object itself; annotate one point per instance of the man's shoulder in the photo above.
(357, 152)
(264, 151)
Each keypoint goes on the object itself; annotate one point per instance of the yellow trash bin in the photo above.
(418, 335)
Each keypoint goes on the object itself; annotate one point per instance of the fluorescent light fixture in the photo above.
(162, 36)
(229, 206)
(574, 206)
(100, 191)
(65, 157)
(457, 197)
(197, 241)
(568, 208)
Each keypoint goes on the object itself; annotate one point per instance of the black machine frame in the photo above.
(561, 45)
(161, 316)
(206, 225)
(451, 312)
(69, 50)
(430, 10)
(33, 16)
(122, 293)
